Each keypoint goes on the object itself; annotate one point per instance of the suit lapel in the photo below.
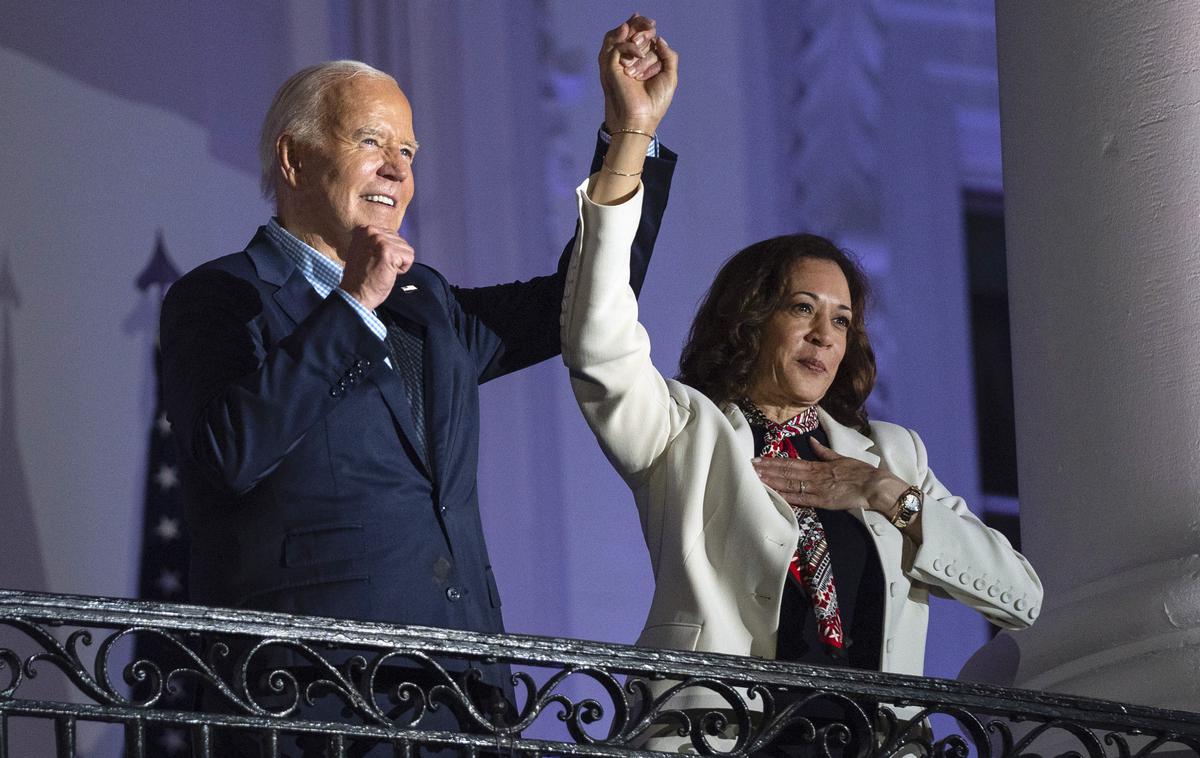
(846, 441)
(297, 299)
(842, 440)
(295, 296)
(745, 435)
(853, 444)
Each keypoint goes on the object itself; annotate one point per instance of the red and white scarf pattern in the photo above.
(811, 566)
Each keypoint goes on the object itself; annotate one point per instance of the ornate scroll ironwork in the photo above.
(281, 676)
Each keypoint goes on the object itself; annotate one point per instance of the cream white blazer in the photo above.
(719, 539)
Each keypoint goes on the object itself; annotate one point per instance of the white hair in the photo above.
(299, 110)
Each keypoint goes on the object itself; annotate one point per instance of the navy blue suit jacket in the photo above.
(303, 490)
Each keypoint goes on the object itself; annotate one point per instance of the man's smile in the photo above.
(383, 199)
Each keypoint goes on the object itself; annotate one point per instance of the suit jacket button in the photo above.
(454, 594)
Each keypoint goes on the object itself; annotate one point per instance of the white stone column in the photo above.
(1100, 119)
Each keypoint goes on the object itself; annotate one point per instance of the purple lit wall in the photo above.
(861, 120)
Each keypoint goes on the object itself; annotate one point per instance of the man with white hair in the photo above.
(323, 387)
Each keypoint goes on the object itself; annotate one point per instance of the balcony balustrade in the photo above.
(214, 672)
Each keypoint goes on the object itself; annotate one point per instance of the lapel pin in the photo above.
(409, 288)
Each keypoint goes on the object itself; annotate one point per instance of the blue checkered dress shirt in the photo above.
(322, 273)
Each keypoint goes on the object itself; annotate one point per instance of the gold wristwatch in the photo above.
(908, 505)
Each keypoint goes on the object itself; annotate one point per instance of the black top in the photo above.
(856, 575)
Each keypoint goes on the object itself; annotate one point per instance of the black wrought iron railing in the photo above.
(226, 678)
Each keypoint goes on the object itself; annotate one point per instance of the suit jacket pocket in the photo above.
(324, 544)
(673, 636)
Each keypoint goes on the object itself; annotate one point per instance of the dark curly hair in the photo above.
(723, 343)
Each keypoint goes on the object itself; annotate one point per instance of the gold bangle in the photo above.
(611, 170)
(631, 131)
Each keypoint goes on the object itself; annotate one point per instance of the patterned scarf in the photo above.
(810, 567)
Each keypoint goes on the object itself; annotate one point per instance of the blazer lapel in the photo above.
(842, 440)
(295, 296)
(297, 299)
(745, 435)
(854, 444)
(846, 441)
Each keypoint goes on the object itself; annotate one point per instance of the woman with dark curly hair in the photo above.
(781, 523)
(721, 351)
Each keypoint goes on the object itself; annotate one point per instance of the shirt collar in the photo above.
(321, 272)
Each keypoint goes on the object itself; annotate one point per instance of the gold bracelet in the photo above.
(614, 171)
(632, 131)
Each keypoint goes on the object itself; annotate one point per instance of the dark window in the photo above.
(988, 277)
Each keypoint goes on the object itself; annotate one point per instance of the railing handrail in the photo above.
(53, 608)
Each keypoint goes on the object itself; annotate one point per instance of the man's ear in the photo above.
(288, 159)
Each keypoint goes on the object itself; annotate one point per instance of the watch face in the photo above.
(910, 506)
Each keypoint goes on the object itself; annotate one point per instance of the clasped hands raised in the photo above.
(637, 73)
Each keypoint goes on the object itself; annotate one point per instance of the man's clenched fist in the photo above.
(376, 256)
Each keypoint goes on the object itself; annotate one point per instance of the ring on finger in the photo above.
(803, 486)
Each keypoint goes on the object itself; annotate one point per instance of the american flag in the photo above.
(165, 543)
